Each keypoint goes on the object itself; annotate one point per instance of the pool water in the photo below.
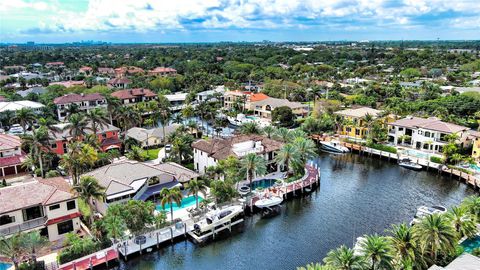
(186, 202)
(4, 266)
(417, 154)
(264, 183)
(470, 244)
(475, 167)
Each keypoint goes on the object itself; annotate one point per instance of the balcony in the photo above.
(28, 225)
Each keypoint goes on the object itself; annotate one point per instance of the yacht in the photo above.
(16, 129)
(424, 211)
(268, 202)
(407, 163)
(217, 218)
(334, 146)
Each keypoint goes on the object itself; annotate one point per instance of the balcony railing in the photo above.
(31, 224)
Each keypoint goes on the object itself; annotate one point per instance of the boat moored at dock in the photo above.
(333, 146)
(407, 163)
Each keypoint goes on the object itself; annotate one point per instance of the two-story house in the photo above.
(162, 71)
(354, 121)
(264, 108)
(207, 153)
(241, 99)
(133, 96)
(425, 133)
(126, 179)
(476, 145)
(177, 101)
(108, 136)
(46, 205)
(11, 156)
(121, 82)
(84, 102)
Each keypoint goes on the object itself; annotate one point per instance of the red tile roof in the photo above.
(162, 70)
(258, 97)
(132, 93)
(70, 98)
(11, 161)
(85, 68)
(8, 141)
(55, 63)
(106, 70)
(119, 81)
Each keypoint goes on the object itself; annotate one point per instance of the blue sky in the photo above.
(58, 21)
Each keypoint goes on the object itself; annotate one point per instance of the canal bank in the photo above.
(357, 195)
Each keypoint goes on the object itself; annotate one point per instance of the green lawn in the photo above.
(152, 153)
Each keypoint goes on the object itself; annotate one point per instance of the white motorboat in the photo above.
(268, 202)
(16, 129)
(334, 146)
(218, 217)
(407, 163)
(424, 211)
(239, 120)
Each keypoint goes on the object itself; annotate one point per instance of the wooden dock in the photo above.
(224, 226)
(427, 164)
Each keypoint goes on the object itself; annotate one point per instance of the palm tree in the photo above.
(463, 222)
(344, 258)
(79, 158)
(404, 247)
(170, 196)
(136, 153)
(115, 227)
(127, 118)
(32, 242)
(367, 122)
(196, 186)
(435, 235)
(89, 189)
(288, 157)
(306, 149)
(164, 114)
(269, 131)
(38, 142)
(253, 165)
(315, 266)
(71, 110)
(472, 204)
(181, 147)
(283, 134)
(24, 117)
(13, 248)
(378, 250)
(112, 104)
(49, 124)
(77, 125)
(98, 118)
(250, 128)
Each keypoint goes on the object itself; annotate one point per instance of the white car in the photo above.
(16, 129)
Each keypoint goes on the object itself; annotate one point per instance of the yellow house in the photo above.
(476, 146)
(356, 126)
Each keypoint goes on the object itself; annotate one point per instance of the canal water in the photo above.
(357, 195)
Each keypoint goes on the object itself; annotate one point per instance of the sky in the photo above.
(166, 21)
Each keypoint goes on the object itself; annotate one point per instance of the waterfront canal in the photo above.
(357, 195)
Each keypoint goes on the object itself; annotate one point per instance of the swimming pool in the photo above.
(475, 167)
(263, 183)
(4, 266)
(470, 244)
(186, 202)
(415, 153)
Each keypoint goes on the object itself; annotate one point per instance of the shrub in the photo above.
(382, 147)
(52, 173)
(435, 159)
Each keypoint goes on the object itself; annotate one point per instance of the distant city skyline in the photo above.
(144, 21)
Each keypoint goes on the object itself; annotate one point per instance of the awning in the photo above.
(157, 189)
(63, 218)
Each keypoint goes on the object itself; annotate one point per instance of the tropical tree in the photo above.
(88, 189)
(463, 221)
(77, 125)
(98, 119)
(115, 227)
(136, 153)
(196, 186)
(315, 266)
(253, 165)
(170, 196)
(377, 250)
(38, 142)
(49, 124)
(472, 204)
(405, 248)
(435, 235)
(250, 128)
(164, 114)
(126, 117)
(344, 258)
(288, 157)
(79, 158)
(13, 248)
(306, 149)
(112, 104)
(181, 147)
(24, 117)
(269, 131)
(283, 134)
(32, 242)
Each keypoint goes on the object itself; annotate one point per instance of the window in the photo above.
(6, 219)
(357, 132)
(427, 134)
(71, 205)
(65, 227)
(32, 213)
(53, 146)
(53, 207)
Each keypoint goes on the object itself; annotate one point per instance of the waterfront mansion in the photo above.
(425, 133)
(207, 153)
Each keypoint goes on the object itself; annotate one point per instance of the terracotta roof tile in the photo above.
(132, 93)
(70, 98)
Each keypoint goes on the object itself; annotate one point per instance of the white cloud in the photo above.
(161, 15)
